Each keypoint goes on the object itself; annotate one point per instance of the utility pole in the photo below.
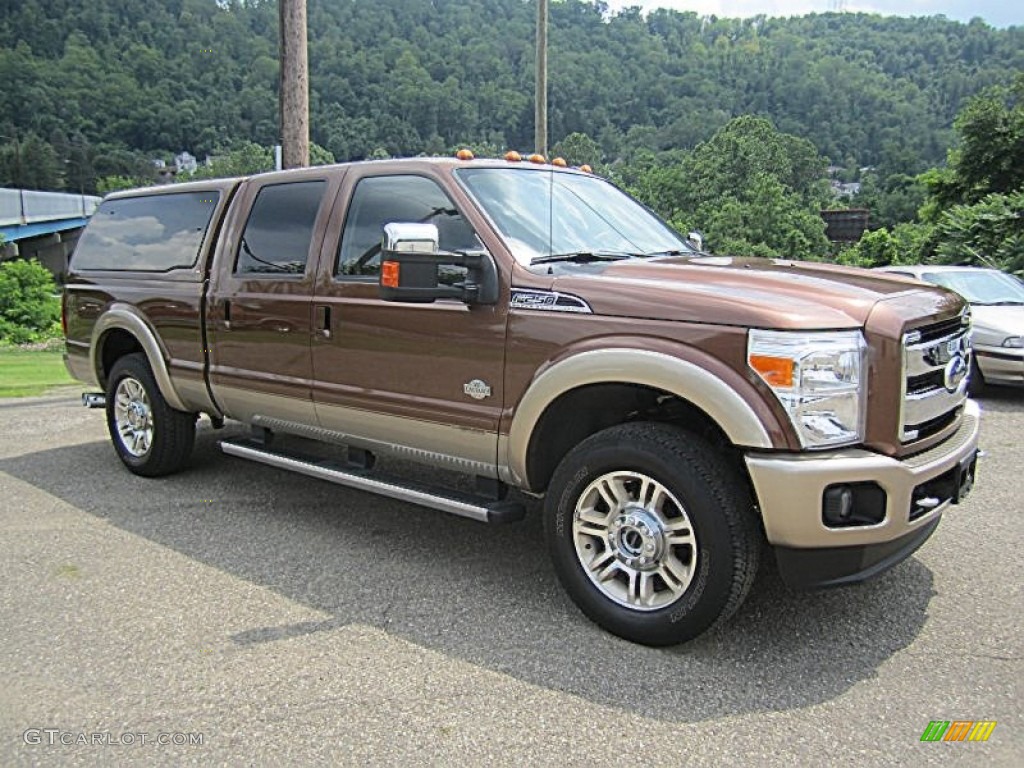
(294, 95)
(540, 123)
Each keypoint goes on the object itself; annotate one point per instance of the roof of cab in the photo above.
(411, 163)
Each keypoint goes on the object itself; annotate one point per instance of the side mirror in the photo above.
(410, 258)
(696, 239)
(410, 238)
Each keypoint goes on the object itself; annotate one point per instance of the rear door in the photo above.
(259, 312)
(423, 379)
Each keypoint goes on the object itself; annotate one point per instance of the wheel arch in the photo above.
(122, 330)
(589, 391)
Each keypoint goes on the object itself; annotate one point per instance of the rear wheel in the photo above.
(652, 533)
(150, 437)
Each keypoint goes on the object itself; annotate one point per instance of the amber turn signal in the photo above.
(776, 371)
(389, 274)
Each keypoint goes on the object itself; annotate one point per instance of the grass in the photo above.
(25, 372)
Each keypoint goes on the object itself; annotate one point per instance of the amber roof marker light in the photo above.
(513, 157)
(586, 169)
(538, 159)
(560, 162)
(465, 154)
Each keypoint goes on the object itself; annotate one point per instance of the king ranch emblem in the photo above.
(477, 389)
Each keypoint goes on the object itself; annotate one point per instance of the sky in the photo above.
(998, 13)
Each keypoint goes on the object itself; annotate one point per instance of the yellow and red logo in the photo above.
(958, 730)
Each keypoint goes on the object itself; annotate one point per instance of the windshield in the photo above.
(981, 286)
(543, 213)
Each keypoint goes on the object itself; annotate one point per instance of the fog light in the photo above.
(837, 505)
(849, 504)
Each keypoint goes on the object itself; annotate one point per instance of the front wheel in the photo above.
(652, 532)
(150, 437)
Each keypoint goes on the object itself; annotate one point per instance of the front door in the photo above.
(424, 380)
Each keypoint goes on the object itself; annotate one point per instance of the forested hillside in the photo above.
(91, 89)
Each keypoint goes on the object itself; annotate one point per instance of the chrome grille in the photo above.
(936, 359)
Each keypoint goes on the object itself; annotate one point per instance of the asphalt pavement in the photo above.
(238, 614)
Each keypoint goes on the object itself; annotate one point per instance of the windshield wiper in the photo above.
(584, 257)
(670, 252)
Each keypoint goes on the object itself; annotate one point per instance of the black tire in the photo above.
(173, 432)
(715, 499)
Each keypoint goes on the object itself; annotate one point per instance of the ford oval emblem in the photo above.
(954, 373)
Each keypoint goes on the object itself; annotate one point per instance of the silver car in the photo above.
(997, 306)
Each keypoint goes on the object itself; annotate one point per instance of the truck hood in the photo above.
(767, 293)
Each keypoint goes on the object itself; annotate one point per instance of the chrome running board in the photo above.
(453, 502)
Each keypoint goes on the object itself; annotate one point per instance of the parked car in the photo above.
(997, 306)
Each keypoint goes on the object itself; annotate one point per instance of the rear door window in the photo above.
(151, 233)
(279, 232)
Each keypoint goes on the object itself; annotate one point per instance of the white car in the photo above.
(997, 308)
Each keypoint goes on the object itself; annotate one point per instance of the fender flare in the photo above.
(694, 383)
(124, 317)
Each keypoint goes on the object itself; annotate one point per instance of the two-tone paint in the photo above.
(470, 387)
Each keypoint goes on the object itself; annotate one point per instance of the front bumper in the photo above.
(790, 489)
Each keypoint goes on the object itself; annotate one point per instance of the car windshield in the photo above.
(981, 286)
(547, 215)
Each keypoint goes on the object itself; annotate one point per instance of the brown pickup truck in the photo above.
(531, 326)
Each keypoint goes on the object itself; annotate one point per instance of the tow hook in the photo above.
(94, 400)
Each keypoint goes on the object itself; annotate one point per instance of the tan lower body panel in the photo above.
(427, 442)
(790, 487)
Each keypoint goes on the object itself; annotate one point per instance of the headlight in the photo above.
(1014, 341)
(818, 377)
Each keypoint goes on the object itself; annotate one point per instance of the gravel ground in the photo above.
(280, 619)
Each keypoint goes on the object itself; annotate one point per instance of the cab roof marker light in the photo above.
(586, 168)
(513, 157)
(464, 154)
(537, 158)
(560, 162)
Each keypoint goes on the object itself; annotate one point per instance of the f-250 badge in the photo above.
(477, 389)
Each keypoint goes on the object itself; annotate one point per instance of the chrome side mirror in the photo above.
(411, 237)
(410, 258)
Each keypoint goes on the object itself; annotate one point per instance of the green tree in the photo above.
(750, 189)
(989, 233)
(896, 198)
(245, 159)
(109, 184)
(29, 310)
(320, 156)
(29, 163)
(763, 220)
(876, 248)
(579, 149)
(990, 155)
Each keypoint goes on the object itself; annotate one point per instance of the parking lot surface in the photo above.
(238, 614)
